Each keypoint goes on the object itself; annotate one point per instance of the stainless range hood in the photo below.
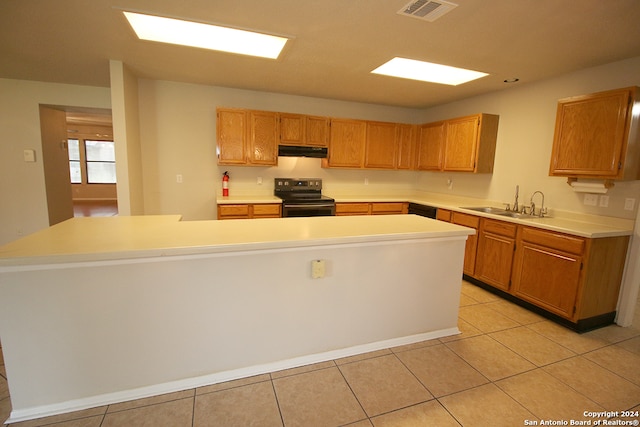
(302, 151)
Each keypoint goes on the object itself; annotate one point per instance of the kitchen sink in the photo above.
(514, 214)
(503, 212)
(488, 209)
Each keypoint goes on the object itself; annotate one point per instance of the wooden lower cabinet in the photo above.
(375, 208)
(575, 278)
(443, 215)
(471, 246)
(496, 245)
(393, 208)
(344, 209)
(248, 211)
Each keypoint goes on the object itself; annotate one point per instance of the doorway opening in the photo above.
(78, 155)
(92, 163)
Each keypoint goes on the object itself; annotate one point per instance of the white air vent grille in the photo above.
(427, 10)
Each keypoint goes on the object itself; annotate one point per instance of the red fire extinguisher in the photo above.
(225, 184)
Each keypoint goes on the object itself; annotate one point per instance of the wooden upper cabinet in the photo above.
(231, 129)
(263, 138)
(592, 137)
(470, 143)
(317, 131)
(405, 158)
(381, 145)
(429, 146)
(347, 143)
(461, 137)
(246, 137)
(299, 129)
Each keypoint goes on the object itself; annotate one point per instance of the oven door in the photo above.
(298, 209)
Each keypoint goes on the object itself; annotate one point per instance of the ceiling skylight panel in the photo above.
(205, 36)
(427, 72)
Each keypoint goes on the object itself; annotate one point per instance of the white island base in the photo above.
(81, 334)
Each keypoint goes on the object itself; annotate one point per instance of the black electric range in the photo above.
(303, 197)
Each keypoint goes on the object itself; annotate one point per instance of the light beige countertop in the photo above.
(589, 226)
(126, 237)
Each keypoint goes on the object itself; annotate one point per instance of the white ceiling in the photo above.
(334, 46)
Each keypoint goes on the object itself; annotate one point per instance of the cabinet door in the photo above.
(292, 129)
(471, 246)
(590, 135)
(346, 146)
(430, 145)
(381, 145)
(231, 129)
(264, 136)
(546, 274)
(406, 147)
(461, 143)
(317, 131)
(496, 244)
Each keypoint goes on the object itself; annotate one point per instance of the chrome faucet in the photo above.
(515, 204)
(543, 211)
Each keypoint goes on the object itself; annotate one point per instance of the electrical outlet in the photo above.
(604, 201)
(366, 181)
(629, 204)
(317, 269)
(591, 199)
(179, 178)
(259, 180)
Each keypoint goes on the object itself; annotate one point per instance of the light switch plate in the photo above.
(629, 204)
(29, 156)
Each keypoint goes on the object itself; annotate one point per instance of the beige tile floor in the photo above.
(508, 366)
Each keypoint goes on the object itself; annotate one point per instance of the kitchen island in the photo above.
(100, 310)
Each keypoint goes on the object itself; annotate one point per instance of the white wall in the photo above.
(126, 124)
(22, 190)
(178, 134)
(525, 137)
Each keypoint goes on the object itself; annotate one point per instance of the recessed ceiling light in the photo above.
(206, 36)
(427, 72)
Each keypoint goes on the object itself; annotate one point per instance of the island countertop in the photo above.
(121, 237)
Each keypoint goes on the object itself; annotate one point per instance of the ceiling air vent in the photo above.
(427, 10)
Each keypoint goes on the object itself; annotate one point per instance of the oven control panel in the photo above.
(297, 184)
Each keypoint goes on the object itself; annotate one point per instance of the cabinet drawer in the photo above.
(443, 215)
(233, 210)
(352, 208)
(502, 228)
(390, 208)
(561, 242)
(466, 220)
(266, 209)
